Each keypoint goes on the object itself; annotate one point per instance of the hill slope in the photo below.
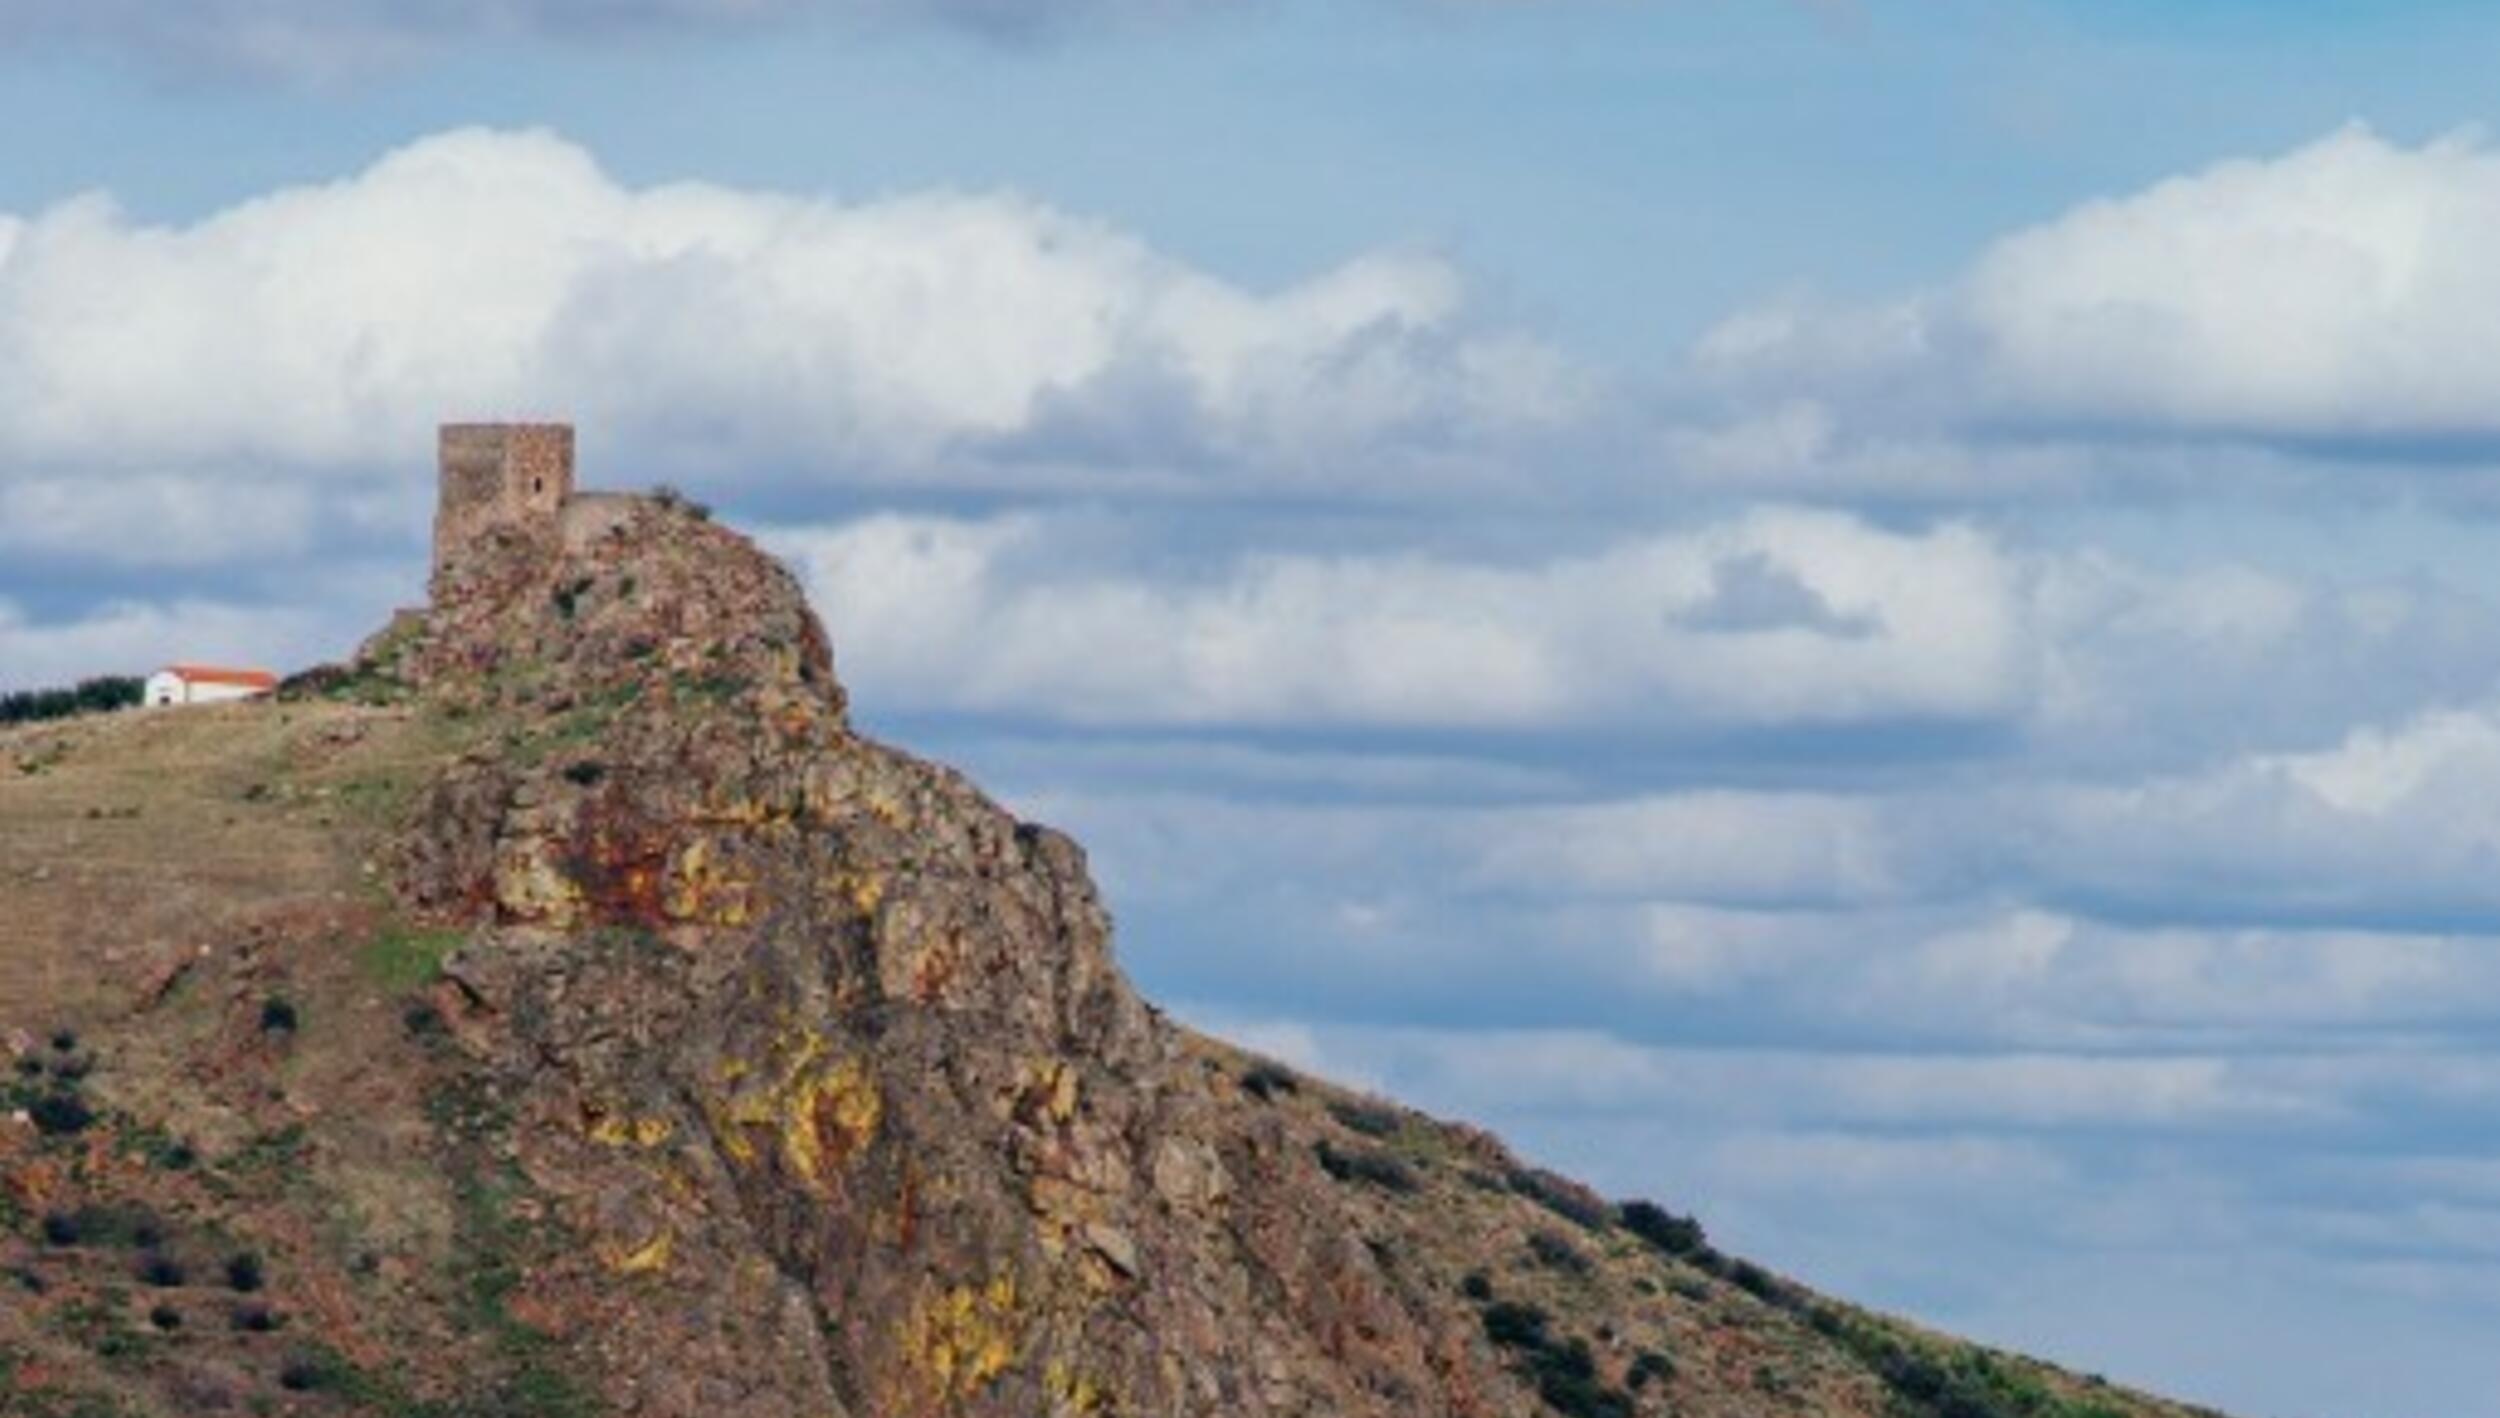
(561, 1011)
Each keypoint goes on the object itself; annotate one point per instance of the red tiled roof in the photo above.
(213, 674)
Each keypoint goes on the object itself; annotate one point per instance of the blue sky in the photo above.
(1874, 620)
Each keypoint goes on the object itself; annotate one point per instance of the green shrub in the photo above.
(60, 1114)
(1549, 1249)
(1512, 1324)
(1264, 1081)
(1378, 1168)
(1648, 1366)
(1673, 1234)
(1560, 1195)
(100, 695)
(1369, 1119)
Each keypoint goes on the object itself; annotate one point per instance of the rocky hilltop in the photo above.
(561, 1010)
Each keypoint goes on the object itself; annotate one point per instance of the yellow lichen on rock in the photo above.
(1046, 1087)
(821, 1111)
(702, 889)
(1072, 1394)
(650, 1256)
(866, 893)
(530, 887)
(618, 1130)
(962, 1339)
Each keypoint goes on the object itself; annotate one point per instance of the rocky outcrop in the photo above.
(745, 1067)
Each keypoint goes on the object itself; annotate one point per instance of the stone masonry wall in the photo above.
(498, 475)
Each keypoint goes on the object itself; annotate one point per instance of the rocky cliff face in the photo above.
(608, 1028)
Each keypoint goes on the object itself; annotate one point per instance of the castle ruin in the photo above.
(498, 475)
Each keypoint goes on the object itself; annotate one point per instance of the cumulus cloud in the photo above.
(133, 637)
(1777, 617)
(321, 331)
(2396, 823)
(2330, 295)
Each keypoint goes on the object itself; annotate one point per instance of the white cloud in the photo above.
(132, 638)
(320, 330)
(1839, 622)
(2393, 823)
(2332, 292)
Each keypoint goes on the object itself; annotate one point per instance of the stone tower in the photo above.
(498, 475)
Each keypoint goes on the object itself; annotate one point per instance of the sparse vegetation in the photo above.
(253, 1319)
(1264, 1081)
(1673, 1234)
(1550, 1250)
(1559, 1195)
(567, 597)
(1648, 1367)
(1370, 1119)
(1563, 1371)
(1378, 1168)
(401, 958)
(245, 1273)
(60, 1114)
(673, 500)
(100, 695)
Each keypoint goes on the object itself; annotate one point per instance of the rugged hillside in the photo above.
(560, 1011)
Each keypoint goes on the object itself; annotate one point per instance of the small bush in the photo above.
(1560, 1195)
(1676, 1235)
(161, 1273)
(1514, 1325)
(1369, 1119)
(104, 1226)
(1378, 1168)
(1566, 1378)
(165, 1318)
(254, 1319)
(567, 597)
(244, 1274)
(1549, 1249)
(1264, 1081)
(1476, 1287)
(1760, 1283)
(1563, 1370)
(60, 1114)
(1648, 1366)
(65, 1042)
(669, 497)
(278, 1016)
(585, 773)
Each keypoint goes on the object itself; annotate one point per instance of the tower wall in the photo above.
(498, 475)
